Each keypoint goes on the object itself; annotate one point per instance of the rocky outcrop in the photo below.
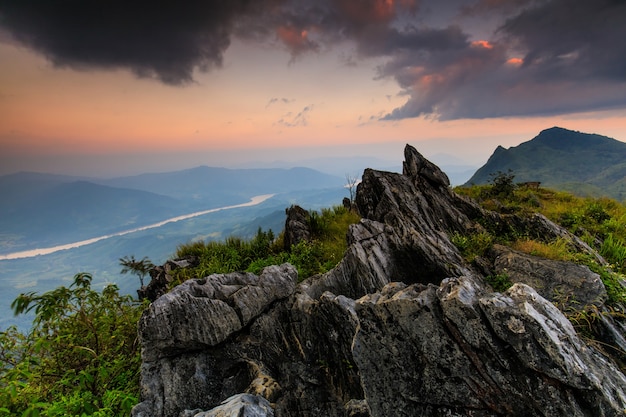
(297, 226)
(567, 284)
(402, 326)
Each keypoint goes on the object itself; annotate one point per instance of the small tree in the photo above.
(140, 268)
(502, 184)
(351, 183)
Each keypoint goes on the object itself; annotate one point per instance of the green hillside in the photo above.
(582, 163)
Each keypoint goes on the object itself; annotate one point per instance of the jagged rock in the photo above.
(179, 329)
(402, 326)
(297, 227)
(417, 167)
(160, 278)
(475, 353)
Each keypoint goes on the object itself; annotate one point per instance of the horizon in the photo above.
(281, 82)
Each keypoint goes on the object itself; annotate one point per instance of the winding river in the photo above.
(45, 251)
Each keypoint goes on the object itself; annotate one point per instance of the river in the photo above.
(45, 251)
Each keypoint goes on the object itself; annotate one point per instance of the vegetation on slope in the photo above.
(320, 254)
(80, 358)
(599, 222)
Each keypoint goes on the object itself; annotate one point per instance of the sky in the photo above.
(112, 88)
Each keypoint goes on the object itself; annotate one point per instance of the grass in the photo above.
(600, 222)
(326, 248)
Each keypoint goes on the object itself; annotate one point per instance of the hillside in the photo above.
(437, 306)
(409, 322)
(582, 163)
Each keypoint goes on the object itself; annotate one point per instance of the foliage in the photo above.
(502, 185)
(326, 248)
(140, 268)
(499, 282)
(557, 250)
(472, 245)
(80, 357)
(600, 222)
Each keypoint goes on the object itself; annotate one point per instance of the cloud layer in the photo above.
(542, 57)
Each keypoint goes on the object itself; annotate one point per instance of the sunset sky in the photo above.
(119, 87)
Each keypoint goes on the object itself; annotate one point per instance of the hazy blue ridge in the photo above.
(583, 163)
(44, 213)
(202, 183)
(42, 210)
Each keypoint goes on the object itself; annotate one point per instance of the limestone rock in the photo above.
(240, 405)
(297, 227)
(402, 326)
(570, 285)
(473, 353)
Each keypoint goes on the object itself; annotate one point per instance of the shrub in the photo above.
(80, 357)
(472, 245)
(502, 185)
(499, 282)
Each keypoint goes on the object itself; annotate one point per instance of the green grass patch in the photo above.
(325, 249)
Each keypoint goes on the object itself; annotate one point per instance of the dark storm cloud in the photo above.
(304, 26)
(546, 56)
(481, 7)
(161, 39)
(549, 57)
(582, 40)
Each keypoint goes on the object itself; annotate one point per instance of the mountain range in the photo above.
(582, 163)
(42, 210)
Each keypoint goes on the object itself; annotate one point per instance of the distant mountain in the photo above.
(39, 211)
(582, 163)
(42, 210)
(201, 185)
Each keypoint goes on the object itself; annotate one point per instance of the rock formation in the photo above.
(403, 326)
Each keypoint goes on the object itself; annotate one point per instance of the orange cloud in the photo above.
(296, 39)
(482, 44)
(515, 61)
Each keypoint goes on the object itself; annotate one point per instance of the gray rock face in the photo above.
(296, 226)
(403, 326)
(475, 353)
(240, 405)
(565, 283)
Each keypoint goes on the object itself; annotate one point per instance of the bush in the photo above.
(80, 358)
(502, 185)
